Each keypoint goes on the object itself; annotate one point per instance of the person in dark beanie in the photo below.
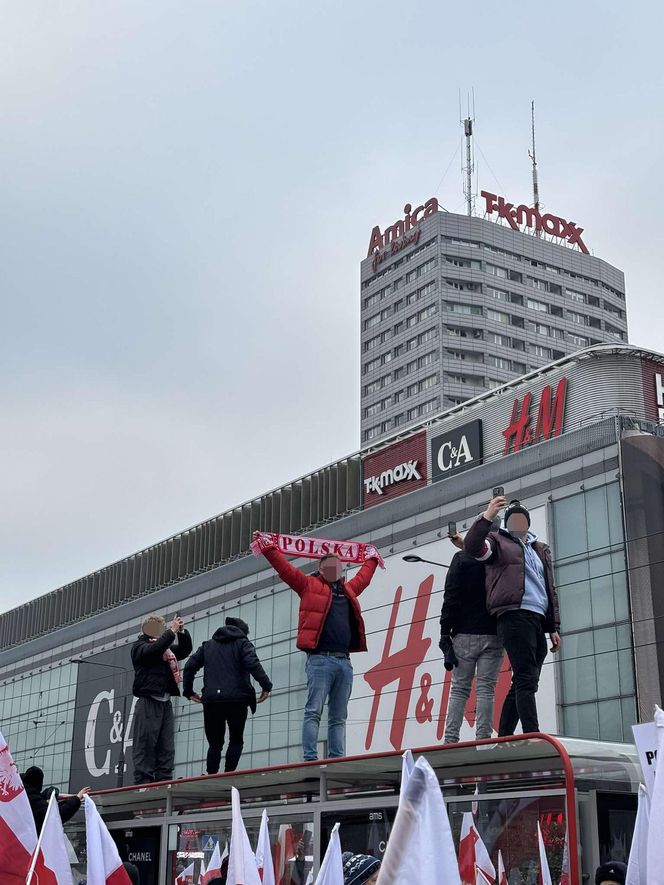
(228, 660)
(360, 869)
(469, 643)
(155, 656)
(33, 781)
(611, 873)
(521, 593)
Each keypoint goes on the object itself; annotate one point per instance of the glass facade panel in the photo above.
(596, 661)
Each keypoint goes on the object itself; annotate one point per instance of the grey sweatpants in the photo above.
(154, 741)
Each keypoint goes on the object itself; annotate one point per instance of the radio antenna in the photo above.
(468, 169)
(533, 157)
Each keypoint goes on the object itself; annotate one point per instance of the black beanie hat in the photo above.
(358, 867)
(33, 778)
(516, 507)
(612, 871)
(239, 623)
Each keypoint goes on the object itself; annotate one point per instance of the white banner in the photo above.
(401, 689)
(645, 738)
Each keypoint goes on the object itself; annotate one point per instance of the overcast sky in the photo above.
(187, 189)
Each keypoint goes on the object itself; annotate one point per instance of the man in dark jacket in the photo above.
(521, 593)
(155, 657)
(33, 781)
(228, 659)
(469, 642)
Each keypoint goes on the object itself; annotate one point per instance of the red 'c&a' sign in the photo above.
(550, 415)
(550, 224)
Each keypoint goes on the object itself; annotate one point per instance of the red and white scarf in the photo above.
(315, 548)
(172, 661)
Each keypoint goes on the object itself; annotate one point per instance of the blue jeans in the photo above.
(327, 678)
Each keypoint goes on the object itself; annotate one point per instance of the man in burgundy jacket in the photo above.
(330, 627)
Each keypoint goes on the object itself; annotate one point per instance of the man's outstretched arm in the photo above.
(290, 575)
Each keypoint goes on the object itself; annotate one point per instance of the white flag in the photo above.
(637, 867)
(186, 877)
(242, 869)
(655, 855)
(420, 848)
(545, 873)
(332, 869)
(52, 846)
(407, 765)
(104, 864)
(264, 852)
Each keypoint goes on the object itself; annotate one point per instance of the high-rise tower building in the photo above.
(452, 306)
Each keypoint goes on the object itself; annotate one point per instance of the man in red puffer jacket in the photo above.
(330, 627)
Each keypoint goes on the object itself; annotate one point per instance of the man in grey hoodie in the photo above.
(228, 660)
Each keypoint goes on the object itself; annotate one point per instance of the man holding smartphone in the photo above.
(521, 593)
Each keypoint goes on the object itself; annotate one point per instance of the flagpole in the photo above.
(33, 861)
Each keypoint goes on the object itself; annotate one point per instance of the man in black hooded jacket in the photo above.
(228, 659)
(33, 781)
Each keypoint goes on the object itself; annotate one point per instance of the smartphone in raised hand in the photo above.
(498, 492)
(451, 529)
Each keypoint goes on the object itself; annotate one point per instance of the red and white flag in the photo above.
(213, 868)
(544, 872)
(52, 847)
(284, 851)
(480, 878)
(502, 875)
(264, 852)
(472, 852)
(242, 869)
(104, 864)
(186, 877)
(18, 836)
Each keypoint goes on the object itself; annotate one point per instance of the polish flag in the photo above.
(637, 865)
(242, 869)
(104, 864)
(186, 877)
(213, 868)
(655, 848)
(502, 875)
(544, 872)
(472, 852)
(201, 873)
(284, 851)
(52, 847)
(480, 878)
(18, 836)
(564, 872)
(264, 853)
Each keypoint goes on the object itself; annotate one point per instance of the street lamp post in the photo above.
(121, 761)
(412, 558)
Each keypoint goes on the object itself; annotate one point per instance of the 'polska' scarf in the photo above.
(172, 661)
(315, 548)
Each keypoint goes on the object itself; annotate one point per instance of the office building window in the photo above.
(497, 315)
(536, 305)
(469, 309)
(598, 692)
(575, 317)
(497, 271)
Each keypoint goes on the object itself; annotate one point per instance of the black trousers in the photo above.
(522, 635)
(153, 749)
(215, 718)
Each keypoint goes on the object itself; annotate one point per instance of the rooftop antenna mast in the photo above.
(533, 157)
(469, 168)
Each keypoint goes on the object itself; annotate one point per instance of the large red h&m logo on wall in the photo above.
(550, 415)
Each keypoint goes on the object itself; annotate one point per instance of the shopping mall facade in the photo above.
(579, 441)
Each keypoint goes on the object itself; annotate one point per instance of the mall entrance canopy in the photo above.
(564, 784)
